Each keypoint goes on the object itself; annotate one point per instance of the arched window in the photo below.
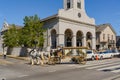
(79, 38)
(79, 4)
(89, 40)
(53, 39)
(68, 4)
(68, 38)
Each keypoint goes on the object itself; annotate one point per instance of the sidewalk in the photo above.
(66, 59)
(16, 57)
(3, 62)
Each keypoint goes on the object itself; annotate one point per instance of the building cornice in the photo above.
(67, 19)
(50, 17)
(76, 21)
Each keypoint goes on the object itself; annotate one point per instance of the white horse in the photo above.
(39, 56)
(35, 56)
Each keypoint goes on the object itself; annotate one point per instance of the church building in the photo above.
(71, 27)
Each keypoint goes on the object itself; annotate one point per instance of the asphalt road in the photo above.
(72, 74)
(108, 69)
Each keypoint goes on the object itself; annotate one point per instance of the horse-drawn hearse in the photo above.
(77, 55)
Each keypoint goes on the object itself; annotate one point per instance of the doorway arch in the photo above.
(53, 39)
(79, 38)
(89, 40)
(68, 38)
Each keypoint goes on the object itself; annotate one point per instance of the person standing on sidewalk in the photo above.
(4, 54)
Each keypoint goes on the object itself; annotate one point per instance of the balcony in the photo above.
(103, 41)
(111, 42)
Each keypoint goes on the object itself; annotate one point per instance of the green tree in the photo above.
(11, 37)
(33, 32)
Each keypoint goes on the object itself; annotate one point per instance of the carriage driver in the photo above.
(60, 49)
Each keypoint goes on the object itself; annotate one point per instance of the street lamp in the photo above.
(35, 42)
(3, 45)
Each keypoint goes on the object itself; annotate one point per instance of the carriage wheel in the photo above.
(84, 61)
(78, 61)
(59, 60)
(51, 61)
(81, 60)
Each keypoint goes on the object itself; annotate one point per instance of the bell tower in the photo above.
(74, 4)
(75, 10)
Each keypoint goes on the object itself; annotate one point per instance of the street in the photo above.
(15, 69)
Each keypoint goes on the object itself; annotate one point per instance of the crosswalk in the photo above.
(103, 65)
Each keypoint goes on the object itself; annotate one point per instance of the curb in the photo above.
(16, 57)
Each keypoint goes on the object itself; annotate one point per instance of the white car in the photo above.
(115, 53)
(91, 55)
(105, 54)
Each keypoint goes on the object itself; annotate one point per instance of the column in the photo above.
(49, 43)
(48, 40)
(61, 40)
(84, 41)
(74, 41)
(93, 42)
(74, 45)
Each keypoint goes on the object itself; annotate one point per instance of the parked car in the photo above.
(91, 55)
(105, 54)
(115, 52)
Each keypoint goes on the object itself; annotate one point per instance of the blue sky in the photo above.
(104, 11)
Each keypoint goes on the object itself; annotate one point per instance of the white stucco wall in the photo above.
(50, 25)
(75, 27)
(73, 14)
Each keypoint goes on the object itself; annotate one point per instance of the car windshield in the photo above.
(108, 51)
(100, 52)
(115, 51)
(118, 50)
(89, 52)
(105, 52)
